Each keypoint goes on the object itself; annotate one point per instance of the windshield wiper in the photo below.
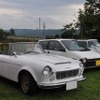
(84, 50)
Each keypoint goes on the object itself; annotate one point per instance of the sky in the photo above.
(25, 14)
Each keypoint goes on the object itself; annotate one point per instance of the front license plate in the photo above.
(98, 63)
(71, 85)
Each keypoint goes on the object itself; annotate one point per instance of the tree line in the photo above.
(5, 34)
(87, 24)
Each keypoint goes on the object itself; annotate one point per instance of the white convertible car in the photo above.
(20, 63)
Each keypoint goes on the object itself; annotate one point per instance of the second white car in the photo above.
(72, 49)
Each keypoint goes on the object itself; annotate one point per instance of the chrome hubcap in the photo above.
(25, 83)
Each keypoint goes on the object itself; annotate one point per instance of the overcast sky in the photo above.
(26, 13)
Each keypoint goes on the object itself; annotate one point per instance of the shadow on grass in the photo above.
(8, 87)
(13, 86)
(92, 70)
(8, 82)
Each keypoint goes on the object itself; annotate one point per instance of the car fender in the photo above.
(30, 70)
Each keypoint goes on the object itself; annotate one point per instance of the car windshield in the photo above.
(74, 45)
(25, 47)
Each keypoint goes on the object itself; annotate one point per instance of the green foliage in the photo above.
(89, 20)
(57, 36)
(68, 31)
(12, 32)
(10, 37)
(49, 37)
(3, 35)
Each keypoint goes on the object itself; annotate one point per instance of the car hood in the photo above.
(87, 54)
(53, 59)
(98, 48)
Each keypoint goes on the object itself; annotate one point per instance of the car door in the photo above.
(9, 66)
(55, 47)
(14, 67)
(4, 64)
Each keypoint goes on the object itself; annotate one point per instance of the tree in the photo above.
(89, 20)
(3, 35)
(57, 36)
(68, 31)
(12, 32)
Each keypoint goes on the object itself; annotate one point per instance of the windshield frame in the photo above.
(25, 48)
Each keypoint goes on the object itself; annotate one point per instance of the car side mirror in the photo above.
(14, 54)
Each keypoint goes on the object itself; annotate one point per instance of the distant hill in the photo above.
(37, 33)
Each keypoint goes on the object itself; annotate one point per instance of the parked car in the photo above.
(33, 69)
(72, 49)
(92, 44)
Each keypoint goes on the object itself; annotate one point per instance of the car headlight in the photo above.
(47, 71)
(83, 60)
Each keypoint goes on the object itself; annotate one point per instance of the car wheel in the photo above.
(28, 84)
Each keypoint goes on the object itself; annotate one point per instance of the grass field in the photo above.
(87, 90)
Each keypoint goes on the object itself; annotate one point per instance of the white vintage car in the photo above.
(92, 44)
(72, 49)
(21, 63)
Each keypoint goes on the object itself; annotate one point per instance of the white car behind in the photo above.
(92, 44)
(72, 49)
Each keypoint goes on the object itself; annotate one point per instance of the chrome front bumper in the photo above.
(57, 85)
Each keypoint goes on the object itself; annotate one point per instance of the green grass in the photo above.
(87, 90)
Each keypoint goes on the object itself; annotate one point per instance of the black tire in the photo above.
(28, 84)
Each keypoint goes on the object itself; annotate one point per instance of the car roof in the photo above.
(55, 39)
(86, 39)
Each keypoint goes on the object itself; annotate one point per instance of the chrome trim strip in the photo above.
(11, 63)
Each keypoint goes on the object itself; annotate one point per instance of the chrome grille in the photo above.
(66, 74)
